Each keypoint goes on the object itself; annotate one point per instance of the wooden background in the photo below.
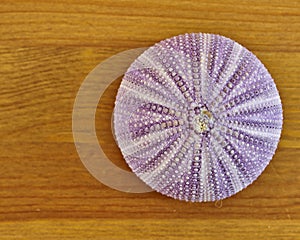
(48, 47)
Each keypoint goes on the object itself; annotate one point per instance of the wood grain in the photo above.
(48, 47)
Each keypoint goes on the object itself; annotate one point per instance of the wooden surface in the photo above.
(48, 47)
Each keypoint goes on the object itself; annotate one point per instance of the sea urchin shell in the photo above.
(197, 117)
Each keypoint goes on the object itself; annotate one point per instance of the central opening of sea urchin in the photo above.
(202, 120)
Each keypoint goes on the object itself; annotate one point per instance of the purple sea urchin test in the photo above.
(197, 117)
